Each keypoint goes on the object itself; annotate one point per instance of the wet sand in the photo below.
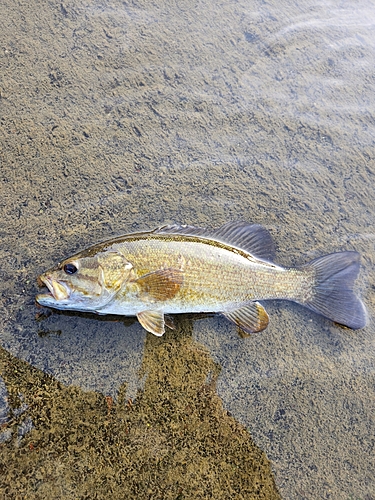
(121, 116)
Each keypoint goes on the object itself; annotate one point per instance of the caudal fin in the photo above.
(333, 294)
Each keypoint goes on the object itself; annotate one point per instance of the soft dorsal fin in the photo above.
(252, 238)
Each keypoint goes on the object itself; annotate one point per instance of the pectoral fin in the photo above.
(250, 318)
(160, 285)
(152, 321)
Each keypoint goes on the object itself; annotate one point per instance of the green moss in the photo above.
(174, 442)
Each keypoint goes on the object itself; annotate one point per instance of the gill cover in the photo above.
(115, 270)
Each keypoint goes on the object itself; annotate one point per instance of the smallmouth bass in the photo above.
(185, 269)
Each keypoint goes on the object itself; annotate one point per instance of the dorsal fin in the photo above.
(252, 238)
(182, 229)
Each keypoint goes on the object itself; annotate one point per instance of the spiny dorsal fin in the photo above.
(182, 229)
(252, 238)
(160, 285)
(250, 318)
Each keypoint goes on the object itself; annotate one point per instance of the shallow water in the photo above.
(120, 116)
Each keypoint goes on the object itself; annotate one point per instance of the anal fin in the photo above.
(251, 318)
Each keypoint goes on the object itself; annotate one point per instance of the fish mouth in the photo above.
(57, 290)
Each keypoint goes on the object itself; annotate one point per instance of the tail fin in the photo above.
(333, 294)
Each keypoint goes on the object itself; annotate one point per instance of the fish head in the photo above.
(84, 282)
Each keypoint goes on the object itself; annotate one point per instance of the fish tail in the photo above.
(332, 292)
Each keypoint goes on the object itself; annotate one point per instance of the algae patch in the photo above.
(175, 441)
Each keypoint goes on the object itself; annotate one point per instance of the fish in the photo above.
(178, 269)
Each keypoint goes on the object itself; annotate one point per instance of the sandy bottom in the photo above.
(119, 116)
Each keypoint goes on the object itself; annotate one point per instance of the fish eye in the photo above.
(70, 268)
